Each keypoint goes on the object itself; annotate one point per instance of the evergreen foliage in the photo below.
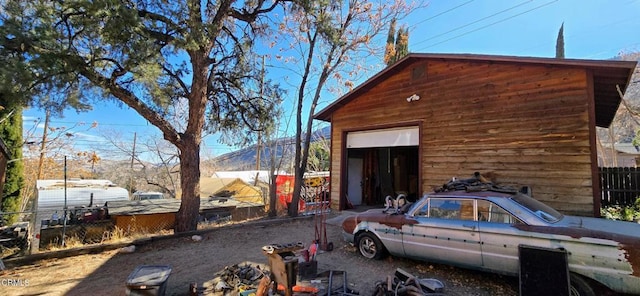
(11, 134)
(397, 47)
(185, 66)
(560, 43)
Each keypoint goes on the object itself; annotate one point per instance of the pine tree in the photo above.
(397, 44)
(402, 43)
(150, 57)
(390, 49)
(560, 43)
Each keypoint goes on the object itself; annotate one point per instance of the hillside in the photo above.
(245, 159)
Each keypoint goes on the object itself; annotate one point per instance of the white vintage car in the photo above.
(484, 230)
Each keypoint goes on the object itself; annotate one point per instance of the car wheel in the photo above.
(370, 246)
(580, 286)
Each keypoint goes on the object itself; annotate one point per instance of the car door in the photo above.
(499, 238)
(446, 232)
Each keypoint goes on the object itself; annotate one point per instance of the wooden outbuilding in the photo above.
(518, 120)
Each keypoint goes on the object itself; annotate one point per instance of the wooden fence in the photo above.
(619, 186)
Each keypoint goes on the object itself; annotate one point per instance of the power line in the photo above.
(581, 35)
(439, 14)
(612, 49)
(475, 22)
(491, 24)
(100, 123)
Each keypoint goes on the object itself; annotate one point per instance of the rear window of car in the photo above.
(538, 208)
(490, 212)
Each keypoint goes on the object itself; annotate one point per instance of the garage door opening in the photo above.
(381, 163)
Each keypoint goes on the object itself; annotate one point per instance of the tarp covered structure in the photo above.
(231, 187)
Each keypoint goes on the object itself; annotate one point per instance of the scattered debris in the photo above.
(128, 249)
(343, 290)
(403, 283)
(283, 264)
(236, 278)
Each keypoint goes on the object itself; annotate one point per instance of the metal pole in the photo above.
(64, 220)
(133, 156)
(43, 146)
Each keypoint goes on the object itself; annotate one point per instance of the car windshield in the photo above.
(541, 210)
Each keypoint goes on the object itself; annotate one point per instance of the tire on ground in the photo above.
(370, 246)
(580, 286)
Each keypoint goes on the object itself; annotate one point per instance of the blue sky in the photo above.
(592, 29)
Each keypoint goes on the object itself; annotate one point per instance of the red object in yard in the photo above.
(313, 250)
(300, 289)
(284, 191)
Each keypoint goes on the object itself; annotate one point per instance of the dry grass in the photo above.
(117, 235)
(133, 232)
(69, 242)
(8, 251)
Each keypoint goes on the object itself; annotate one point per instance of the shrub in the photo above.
(624, 213)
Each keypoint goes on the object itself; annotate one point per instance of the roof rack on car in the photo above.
(475, 184)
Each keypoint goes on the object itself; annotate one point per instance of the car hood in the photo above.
(601, 225)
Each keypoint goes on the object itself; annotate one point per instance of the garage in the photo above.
(382, 162)
(523, 121)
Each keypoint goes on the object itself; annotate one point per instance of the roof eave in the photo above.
(596, 65)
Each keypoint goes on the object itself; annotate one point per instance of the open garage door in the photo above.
(390, 137)
(382, 162)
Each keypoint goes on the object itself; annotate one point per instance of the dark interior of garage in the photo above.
(382, 171)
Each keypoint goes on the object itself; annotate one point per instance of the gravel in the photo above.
(198, 261)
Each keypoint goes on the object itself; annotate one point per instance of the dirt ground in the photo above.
(192, 261)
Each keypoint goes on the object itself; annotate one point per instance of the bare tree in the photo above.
(626, 123)
(329, 43)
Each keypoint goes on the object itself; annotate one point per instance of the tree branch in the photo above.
(251, 16)
(183, 85)
(130, 99)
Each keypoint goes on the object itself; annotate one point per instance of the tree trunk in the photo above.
(187, 216)
(273, 198)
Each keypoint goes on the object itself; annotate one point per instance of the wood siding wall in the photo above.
(520, 124)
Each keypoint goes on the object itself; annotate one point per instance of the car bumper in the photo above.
(348, 237)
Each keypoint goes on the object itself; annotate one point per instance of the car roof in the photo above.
(472, 194)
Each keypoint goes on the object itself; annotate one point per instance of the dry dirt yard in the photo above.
(192, 261)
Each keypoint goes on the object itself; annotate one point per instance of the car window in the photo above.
(490, 212)
(448, 208)
(540, 209)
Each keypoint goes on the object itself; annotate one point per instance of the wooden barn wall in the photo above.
(519, 124)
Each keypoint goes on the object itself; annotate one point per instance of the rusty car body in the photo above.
(483, 230)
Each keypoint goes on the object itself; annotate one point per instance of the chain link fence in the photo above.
(56, 228)
(92, 218)
(15, 239)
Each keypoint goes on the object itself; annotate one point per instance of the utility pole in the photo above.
(43, 145)
(64, 219)
(133, 155)
(260, 131)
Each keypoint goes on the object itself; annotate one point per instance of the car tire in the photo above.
(370, 246)
(580, 286)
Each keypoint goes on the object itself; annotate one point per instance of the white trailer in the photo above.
(53, 195)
